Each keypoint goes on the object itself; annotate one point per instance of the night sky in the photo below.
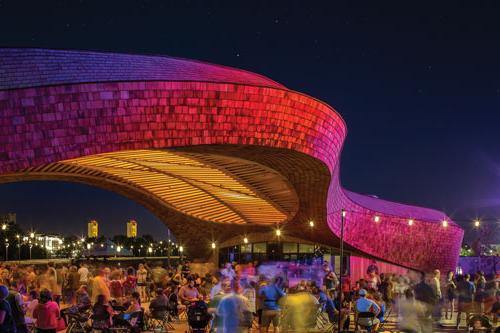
(418, 86)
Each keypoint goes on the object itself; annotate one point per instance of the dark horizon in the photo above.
(418, 86)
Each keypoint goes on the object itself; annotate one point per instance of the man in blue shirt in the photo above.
(365, 305)
(270, 296)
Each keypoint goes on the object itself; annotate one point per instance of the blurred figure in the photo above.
(301, 309)
(228, 272)
(234, 314)
(466, 291)
(100, 286)
(7, 324)
(411, 312)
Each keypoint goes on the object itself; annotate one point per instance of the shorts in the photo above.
(368, 322)
(270, 316)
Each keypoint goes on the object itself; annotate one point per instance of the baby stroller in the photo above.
(198, 317)
(479, 323)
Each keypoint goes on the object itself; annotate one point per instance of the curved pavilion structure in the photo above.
(215, 152)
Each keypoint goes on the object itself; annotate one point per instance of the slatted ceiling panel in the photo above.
(208, 187)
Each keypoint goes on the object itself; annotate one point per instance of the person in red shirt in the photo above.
(46, 313)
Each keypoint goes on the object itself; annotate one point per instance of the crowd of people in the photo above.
(237, 298)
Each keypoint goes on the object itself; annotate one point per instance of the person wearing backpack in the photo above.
(16, 304)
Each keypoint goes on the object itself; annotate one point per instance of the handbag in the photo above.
(61, 324)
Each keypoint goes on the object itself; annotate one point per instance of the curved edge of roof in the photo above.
(274, 84)
(397, 209)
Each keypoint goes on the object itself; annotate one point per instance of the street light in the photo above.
(342, 222)
(6, 249)
(32, 235)
(4, 227)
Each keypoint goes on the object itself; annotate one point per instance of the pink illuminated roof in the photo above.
(395, 209)
(21, 68)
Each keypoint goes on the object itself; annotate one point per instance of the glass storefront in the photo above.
(273, 251)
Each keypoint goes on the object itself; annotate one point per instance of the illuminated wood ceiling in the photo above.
(206, 186)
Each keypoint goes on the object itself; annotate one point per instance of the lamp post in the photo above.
(31, 245)
(342, 221)
(6, 249)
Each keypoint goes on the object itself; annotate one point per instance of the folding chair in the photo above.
(159, 319)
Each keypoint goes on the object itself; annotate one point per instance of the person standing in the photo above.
(7, 323)
(100, 286)
(16, 304)
(234, 314)
(436, 287)
(451, 292)
(466, 291)
(83, 271)
(142, 275)
(270, 295)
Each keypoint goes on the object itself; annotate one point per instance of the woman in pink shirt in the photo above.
(46, 313)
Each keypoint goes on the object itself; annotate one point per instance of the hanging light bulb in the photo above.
(181, 249)
(311, 223)
(410, 222)
(213, 245)
(245, 240)
(445, 223)
(278, 232)
(376, 219)
(477, 223)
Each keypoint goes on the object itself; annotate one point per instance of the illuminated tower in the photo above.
(131, 229)
(93, 228)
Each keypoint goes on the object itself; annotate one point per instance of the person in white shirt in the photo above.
(83, 271)
(228, 272)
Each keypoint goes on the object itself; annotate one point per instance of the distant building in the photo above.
(131, 229)
(9, 218)
(93, 229)
(53, 242)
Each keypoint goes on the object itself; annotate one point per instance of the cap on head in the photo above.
(362, 292)
(4, 292)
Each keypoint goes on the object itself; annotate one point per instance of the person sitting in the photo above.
(135, 306)
(188, 293)
(46, 313)
(377, 298)
(158, 307)
(30, 306)
(365, 307)
(82, 299)
(101, 314)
